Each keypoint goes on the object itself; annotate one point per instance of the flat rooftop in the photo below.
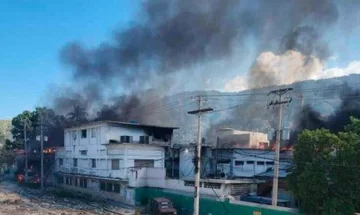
(119, 123)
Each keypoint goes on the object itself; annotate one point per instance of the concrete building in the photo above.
(100, 158)
(245, 163)
(231, 138)
(118, 161)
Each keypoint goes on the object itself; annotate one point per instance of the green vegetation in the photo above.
(325, 174)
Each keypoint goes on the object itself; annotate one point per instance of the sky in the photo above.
(33, 32)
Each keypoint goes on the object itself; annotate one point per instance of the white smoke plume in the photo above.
(270, 69)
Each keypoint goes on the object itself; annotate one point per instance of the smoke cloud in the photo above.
(171, 39)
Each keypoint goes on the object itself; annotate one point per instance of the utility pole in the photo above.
(199, 113)
(280, 93)
(26, 148)
(42, 151)
(41, 138)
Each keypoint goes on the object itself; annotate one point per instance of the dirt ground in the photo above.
(20, 200)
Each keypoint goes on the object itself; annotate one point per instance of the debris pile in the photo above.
(25, 201)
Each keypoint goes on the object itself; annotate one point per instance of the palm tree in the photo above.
(78, 114)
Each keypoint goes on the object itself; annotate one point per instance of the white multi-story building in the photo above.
(100, 158)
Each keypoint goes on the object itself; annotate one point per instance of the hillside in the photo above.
(248, 112)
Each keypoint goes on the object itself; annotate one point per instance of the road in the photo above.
(20, 200)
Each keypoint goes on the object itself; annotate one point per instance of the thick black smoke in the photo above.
(171, 38)
(311, 119)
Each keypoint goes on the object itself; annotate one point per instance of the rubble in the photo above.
(18, 200)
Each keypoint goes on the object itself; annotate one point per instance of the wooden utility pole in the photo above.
(26, 148)
(42, 151)
(198, 112)
(42, 138)
(280, 93)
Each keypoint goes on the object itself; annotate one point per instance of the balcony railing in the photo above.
(152, 141)
(92, 172)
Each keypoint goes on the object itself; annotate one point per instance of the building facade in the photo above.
(100, 158)
(245, 163)
(231, 138)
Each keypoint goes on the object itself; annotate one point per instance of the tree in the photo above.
(53, 126)
(17, 130)
(7, 156)
(78, 115)
(5, 127)
(325, 173)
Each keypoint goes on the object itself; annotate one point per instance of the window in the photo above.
(102, 152)
(61, 161)
(144, 139)
(250, 162)
(75, 162)
(115, 164)
(83, 152)
(83, 182)
(261, 163)
(93, 163)
(224, 161)
(144, 163)
(68, 180)
(109, 187)
(102, 186)
(93, 132)
(125, 139)
(117, 188)
(74, 136)
(76, 182)
(83, 133)
(212, 185)
(189, 183)
(270, 163)
(239, 163)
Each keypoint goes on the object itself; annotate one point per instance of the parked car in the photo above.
(162, 206)
(32, 177)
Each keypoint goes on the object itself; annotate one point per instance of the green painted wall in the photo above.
(184, 204)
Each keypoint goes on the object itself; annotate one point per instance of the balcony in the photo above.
(92, 172)
(151, 141)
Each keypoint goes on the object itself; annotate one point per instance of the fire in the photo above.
(284, 148)
(49, 151)
(20, 177)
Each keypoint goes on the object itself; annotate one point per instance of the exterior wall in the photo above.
(114, 133)
(125, 195)
(241, 139)
(96, 146)
(209, 206)
(155, 177)
(125, 153)
(246, 162)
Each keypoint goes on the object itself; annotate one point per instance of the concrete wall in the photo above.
(246, 162)
(155, 177)
(242, 139)
(125, 153)
(209, 205)
(125, 196)
(95, 146)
